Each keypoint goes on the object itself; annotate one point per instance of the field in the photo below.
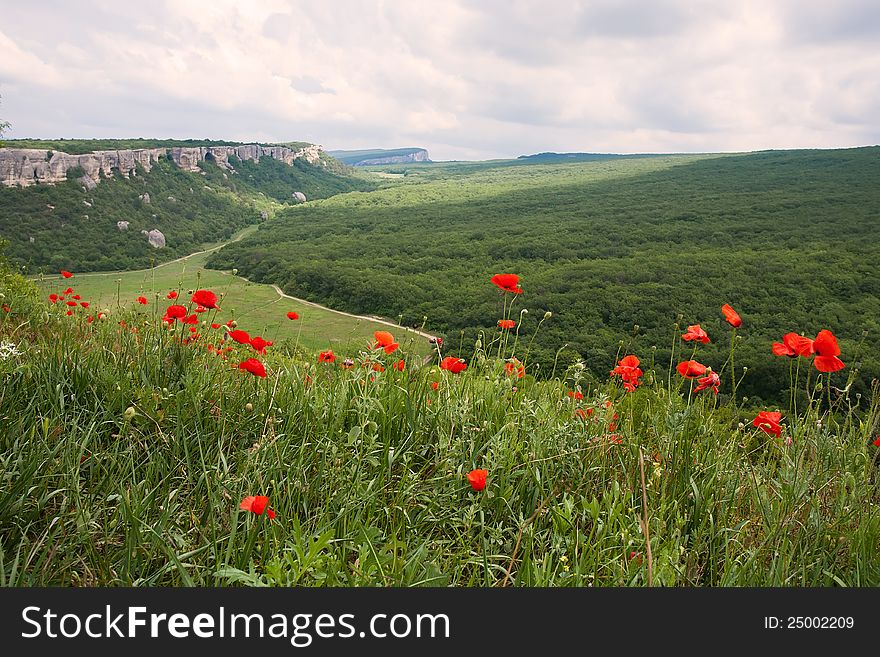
(135, 453)
(259, 307)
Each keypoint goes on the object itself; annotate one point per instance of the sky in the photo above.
(466, 80)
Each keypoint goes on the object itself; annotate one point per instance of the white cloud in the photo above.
(463, 79)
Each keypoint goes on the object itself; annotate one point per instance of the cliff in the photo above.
(28, 166)
(363, 158)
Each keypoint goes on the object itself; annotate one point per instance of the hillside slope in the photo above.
(787, 238)
(188, 194)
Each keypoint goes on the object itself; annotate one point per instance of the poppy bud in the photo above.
(524, 311)
(478, 344)
(548, 315)
(249, 407)
(234, 272)
(129, 413)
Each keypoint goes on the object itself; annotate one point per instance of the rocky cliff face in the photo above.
(418, 156)
(30, 166)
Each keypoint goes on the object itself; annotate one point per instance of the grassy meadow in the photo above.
(255, 306)
(127, 451)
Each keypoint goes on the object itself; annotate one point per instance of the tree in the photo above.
(4, 125)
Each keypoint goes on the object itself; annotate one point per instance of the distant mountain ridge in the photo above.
(550, 156)
(374, 156)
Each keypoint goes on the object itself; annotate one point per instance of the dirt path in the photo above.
(367, 318)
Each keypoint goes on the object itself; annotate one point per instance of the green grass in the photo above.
(124, 455)
(257, 308)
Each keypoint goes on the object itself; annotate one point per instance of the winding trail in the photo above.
(238, 236)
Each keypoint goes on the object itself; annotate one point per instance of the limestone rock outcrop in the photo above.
(155, 237)
(30, 166)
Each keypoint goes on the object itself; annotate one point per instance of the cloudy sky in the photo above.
(467, 80)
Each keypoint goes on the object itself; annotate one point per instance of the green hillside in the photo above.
(65, 226)
(623, 252)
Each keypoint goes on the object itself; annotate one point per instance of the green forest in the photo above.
(625, 253)
(65, 226)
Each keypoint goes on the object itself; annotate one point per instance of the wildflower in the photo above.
(696, 333)
(292, 315)
(215, 325)
(877, 441)
(506, 323)
(513, 366)
(477, 479)
(76, 296)
(66, 274)
(507, 283)
(347, 364)
(205, 298)
(628, 370)
(399, 365)
(435, 385)
(711, 380)
(768, 422)
(793, 345)
(731, 316)
(142, 301)
(53, 298)
(192, 319)
(253, 366)
(378, 367)
(575, 394)
(129, 413)
(384, 340)
(200, 309)
(171, 295)
(691, 369)
(69, 313)
(326, 356)
(454, 365)
(827, 352)
(84, 304)
(258, 504)
(174, 312)
(239, 336)
(70, 303)
(259, 344)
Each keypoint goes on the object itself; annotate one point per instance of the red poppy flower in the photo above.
(66, 274)
(506, 323)
(731, 316)
(877, 441)
(513, 366)
(68, 290)
(434, 385)
(385, 340)
(53, 298)
(575, 394)
(239, 336)
(827, 352)
(84, 304)
(292, 315)
(76, 296)
(454, 365)
(507, 282)
(257, 504)
(253, 366)
(90, 319)
(378, 367)
(768, 422)
(192, 319)
(70, 303)
(691, 369)
(175, 312)
(142, 301)
(793, 345)
(326, 356)
(215, 326)
(628, 370)
(171, 295)
(695, 333)
(69, 313)
(200, 309)
(259, 344)
(399, 365)
(477, 479)
(5, 308)
(711, 380)
(205, 298)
